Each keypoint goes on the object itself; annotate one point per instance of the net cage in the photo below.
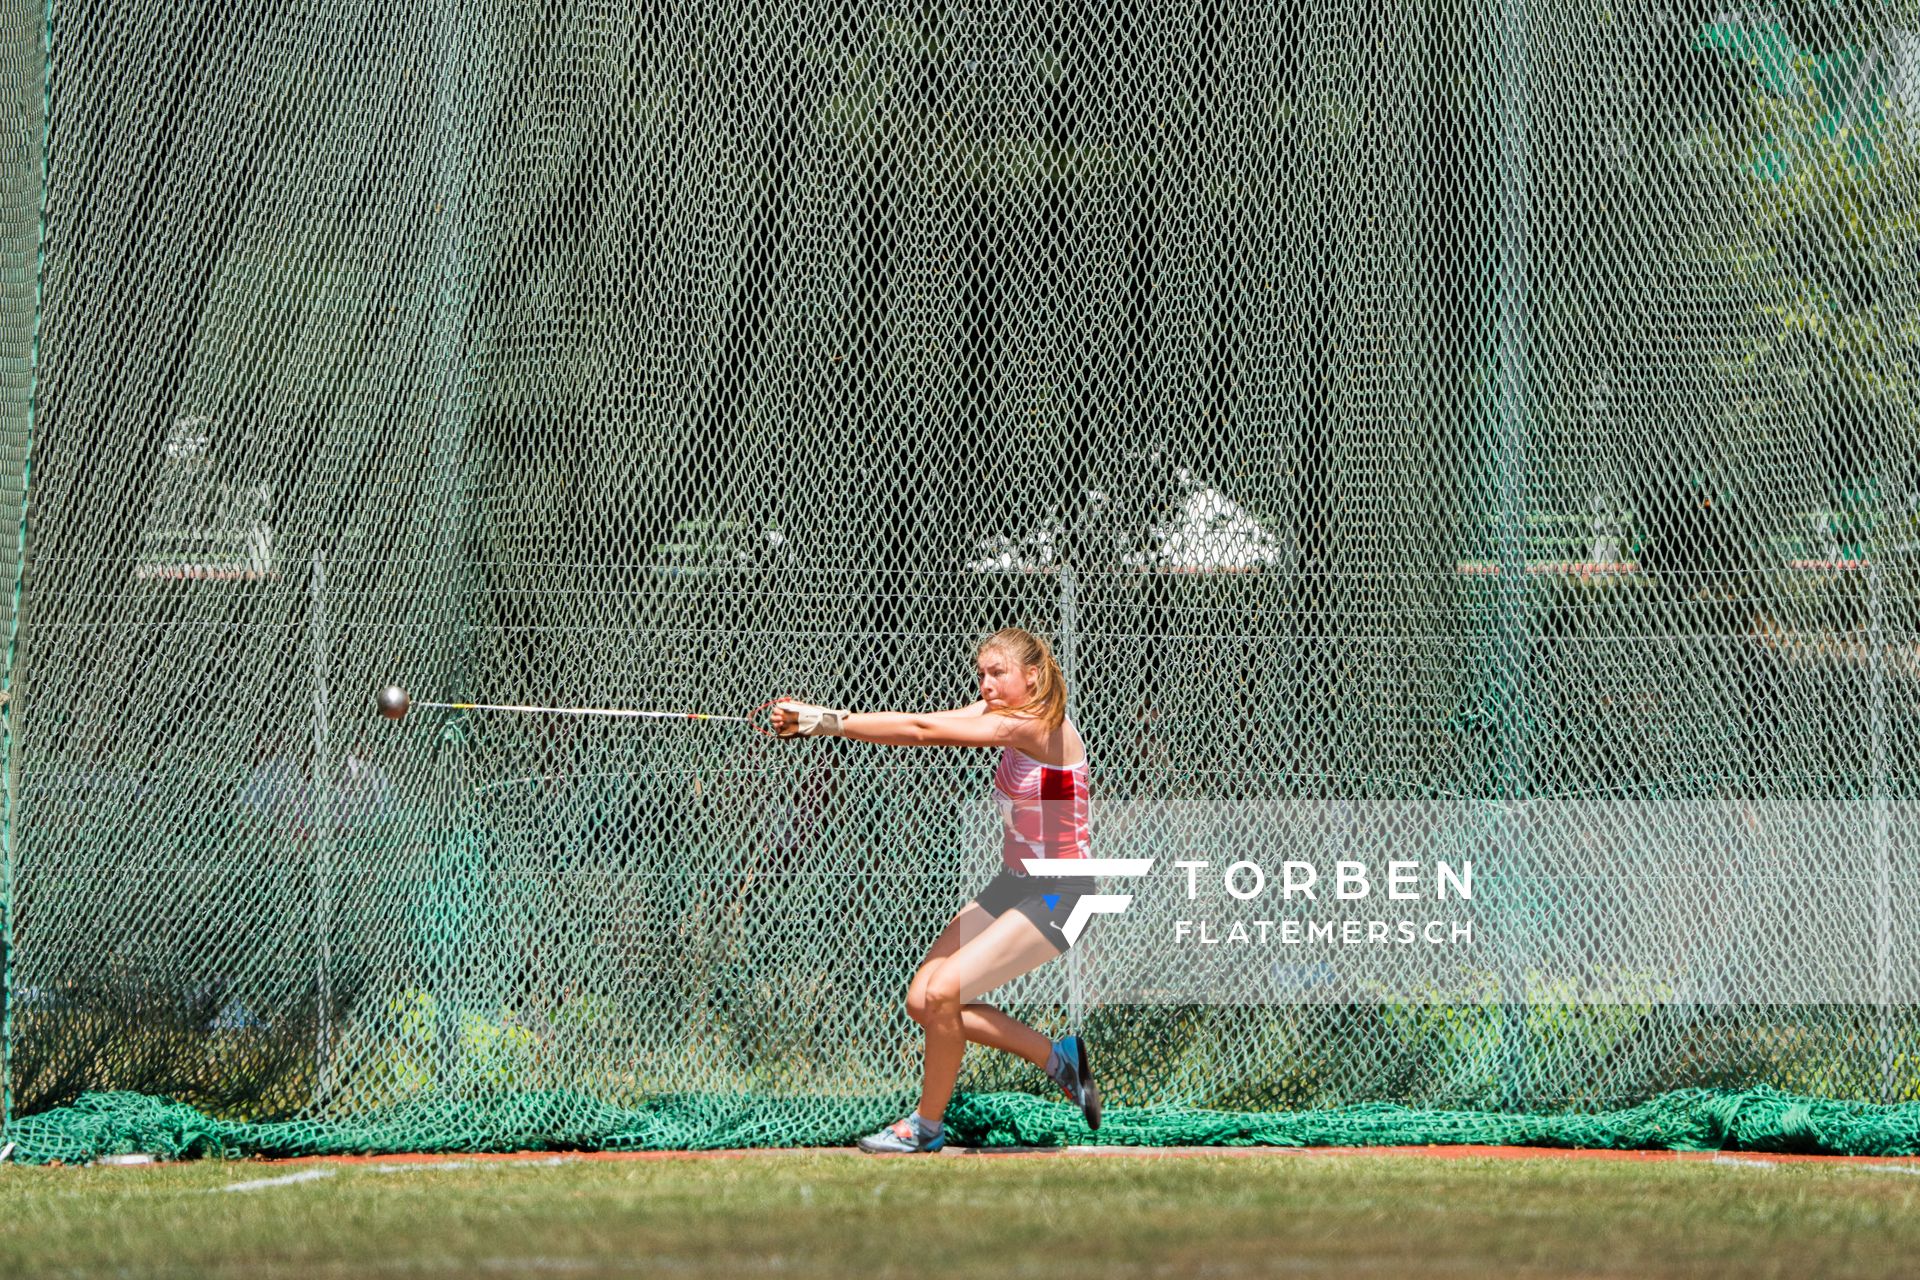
(1449, 432)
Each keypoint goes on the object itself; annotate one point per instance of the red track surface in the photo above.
(1159, 1153)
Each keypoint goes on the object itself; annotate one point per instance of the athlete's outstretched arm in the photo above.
(968, 726)
(793, 718)
(964, 727)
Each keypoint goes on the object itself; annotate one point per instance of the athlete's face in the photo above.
(1004, 683)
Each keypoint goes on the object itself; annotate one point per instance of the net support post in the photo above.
(1069, 628)
(323, 834)
(1877, 771)
(1510, 435)
(10, 718)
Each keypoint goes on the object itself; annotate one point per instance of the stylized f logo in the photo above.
(1092, 904)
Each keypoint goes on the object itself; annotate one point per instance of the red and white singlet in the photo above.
(1043, 809)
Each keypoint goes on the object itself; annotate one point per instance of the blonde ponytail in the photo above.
(1048, 704)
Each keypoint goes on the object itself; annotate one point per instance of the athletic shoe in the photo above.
(900, 1138)
(1076, 1078)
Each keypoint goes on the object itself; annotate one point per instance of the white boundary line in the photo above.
(305, 1175)
(1912, 1171)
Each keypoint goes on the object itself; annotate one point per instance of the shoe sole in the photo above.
(883, 1151)
(1089, 1092)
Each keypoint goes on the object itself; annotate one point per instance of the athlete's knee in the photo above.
(941, 996)
(917, 1006)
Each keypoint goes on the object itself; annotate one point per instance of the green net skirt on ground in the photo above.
(1686, 1120)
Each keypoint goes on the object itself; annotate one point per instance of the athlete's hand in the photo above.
(806, 720)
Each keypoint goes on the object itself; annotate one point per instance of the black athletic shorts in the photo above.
(1045, 900)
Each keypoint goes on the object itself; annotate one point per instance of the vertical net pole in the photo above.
(1509, 452)
(1877, 766)
(322, 786)
(10, 720)
(1069, 626)
(454, 887)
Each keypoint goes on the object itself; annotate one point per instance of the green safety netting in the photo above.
(1758, 1119)
(1485, 428)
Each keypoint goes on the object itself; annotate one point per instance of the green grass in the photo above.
(831, 1215)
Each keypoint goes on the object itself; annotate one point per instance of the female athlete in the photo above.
(1015, 923)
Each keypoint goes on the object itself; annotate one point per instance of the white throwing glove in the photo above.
(814, 722)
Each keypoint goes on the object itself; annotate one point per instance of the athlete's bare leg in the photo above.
(980, 1023)
(1005, 949)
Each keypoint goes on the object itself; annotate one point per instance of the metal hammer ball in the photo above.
(393, 702)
